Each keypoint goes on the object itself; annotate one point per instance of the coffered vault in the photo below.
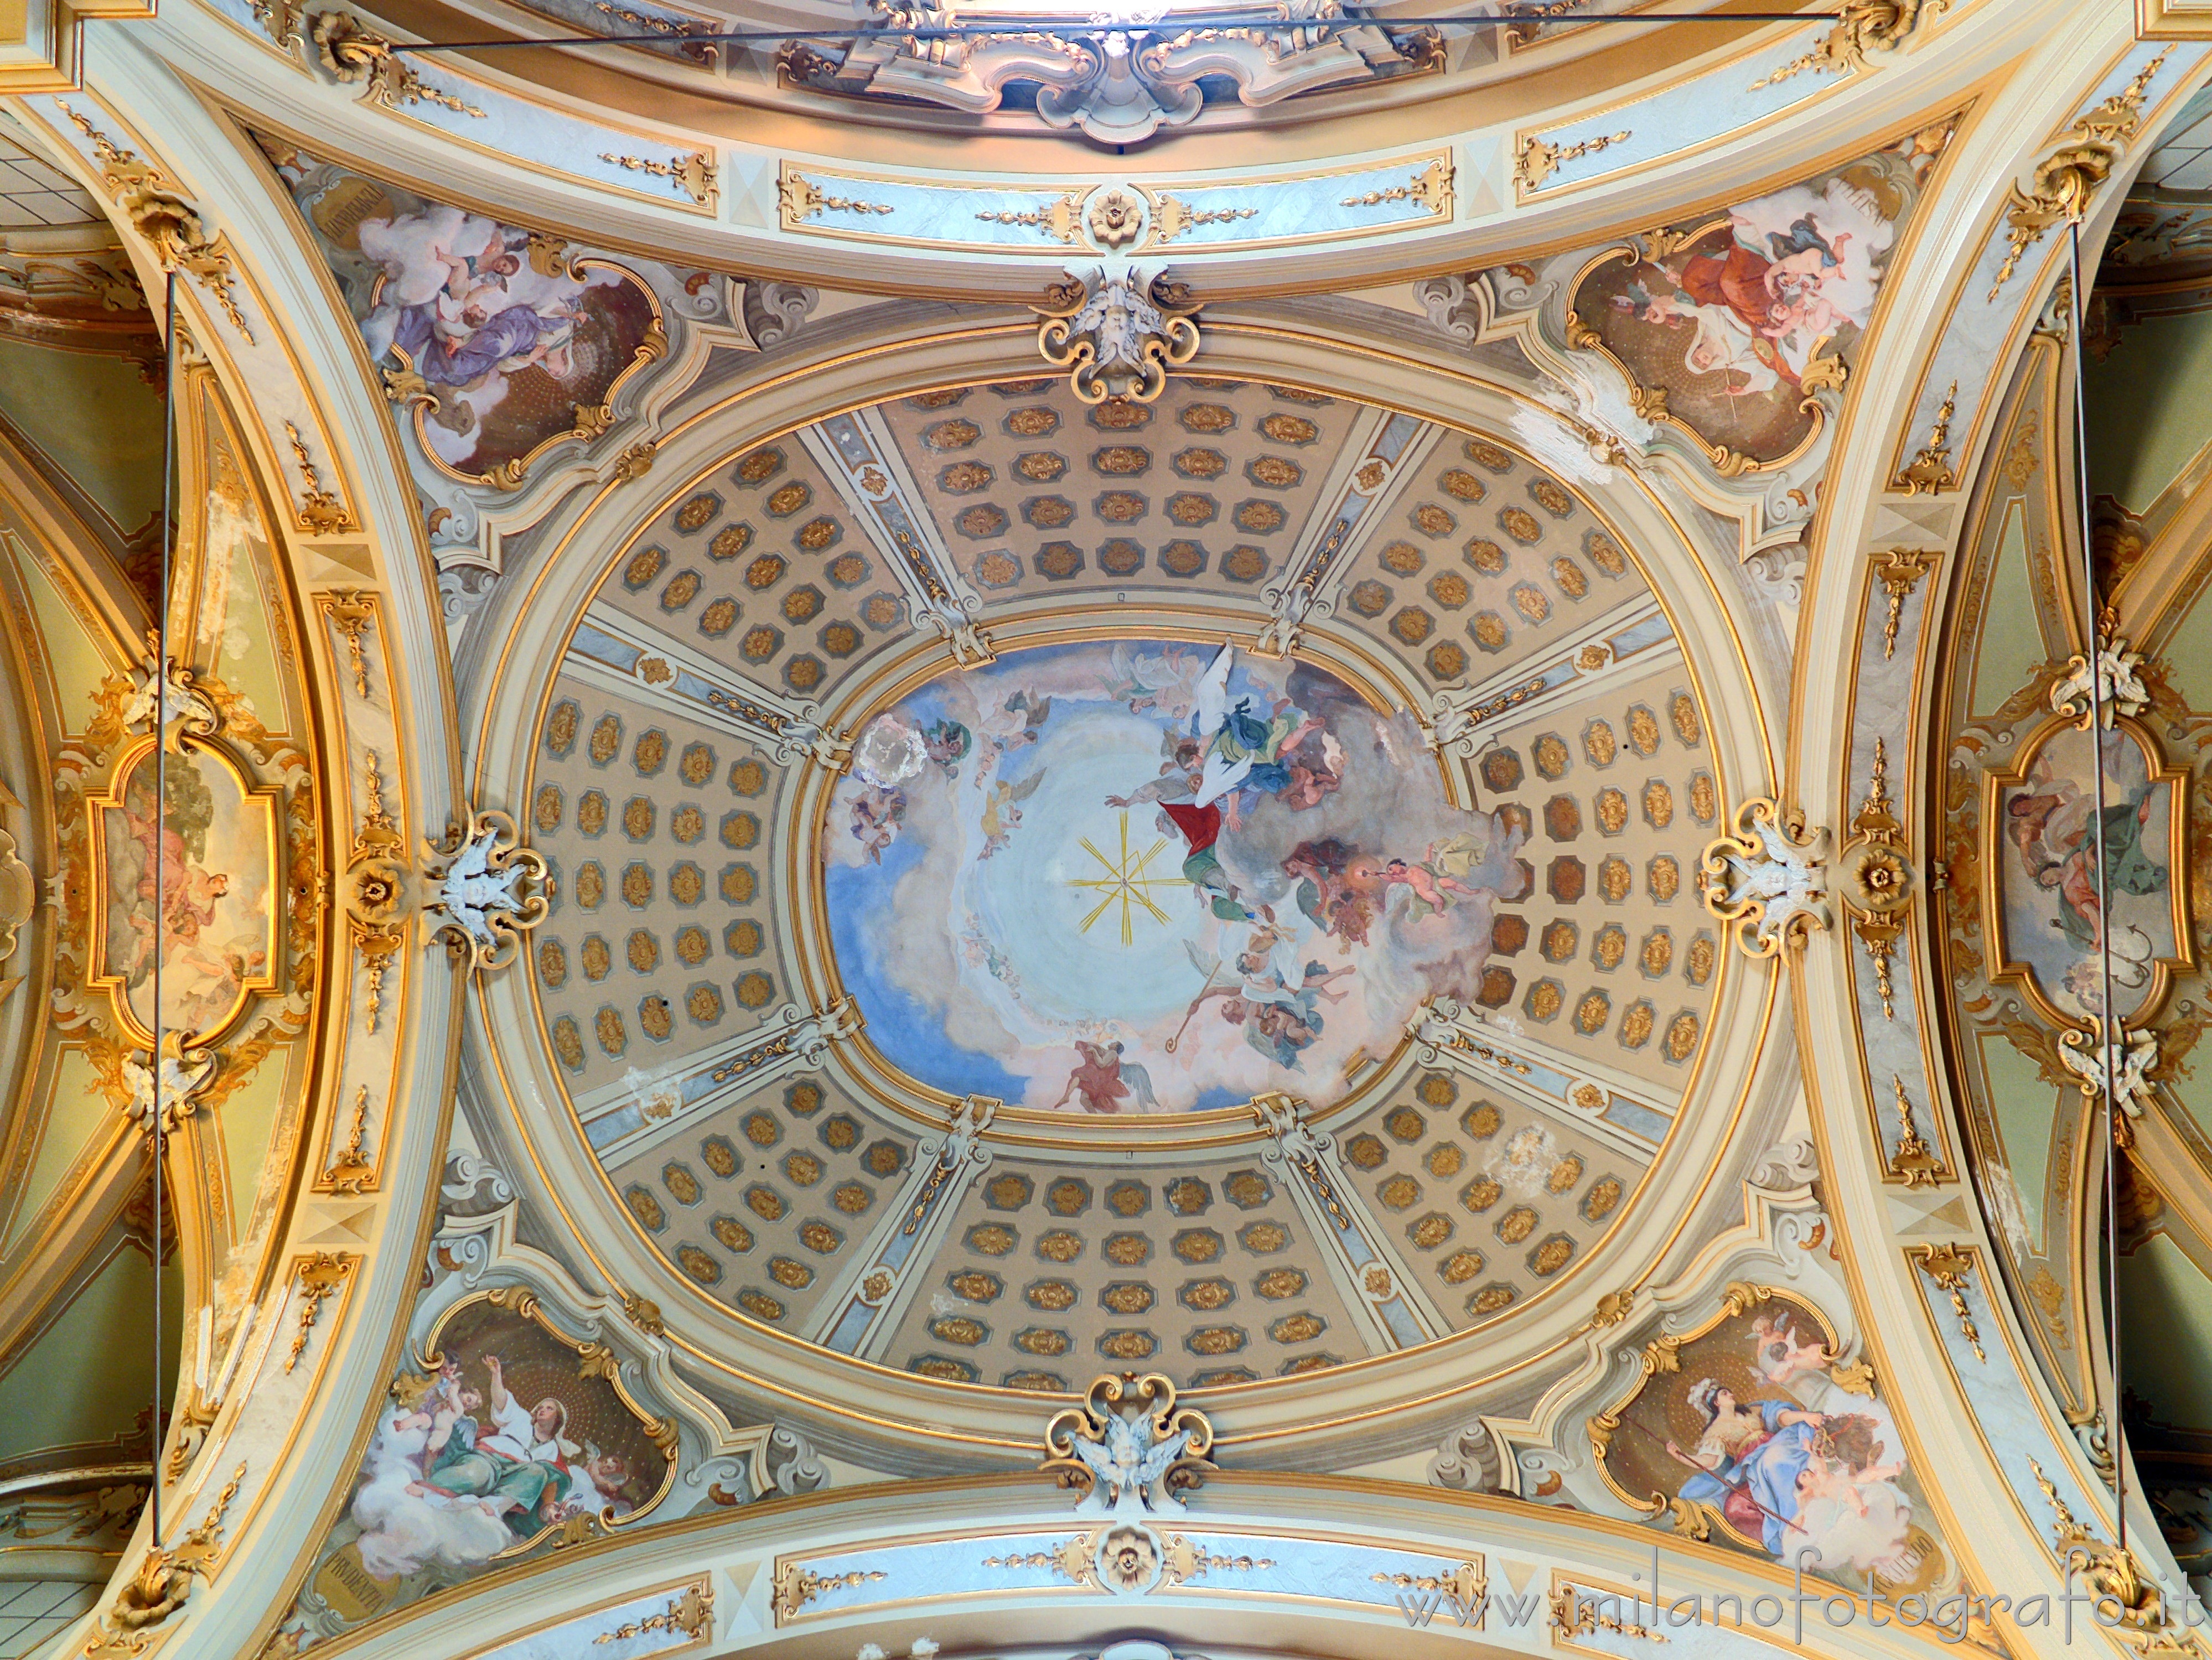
(926, 877)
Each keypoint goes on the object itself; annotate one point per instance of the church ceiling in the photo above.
(907, 766)
(1024, 890)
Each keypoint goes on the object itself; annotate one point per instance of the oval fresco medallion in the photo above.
(1152, 877)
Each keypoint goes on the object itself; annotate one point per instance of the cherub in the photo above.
(1002, 813)
(877, 815)
(1780, 1356)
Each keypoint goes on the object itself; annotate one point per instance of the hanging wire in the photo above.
(161, 843)
(1047, 23)
(2105, 1035)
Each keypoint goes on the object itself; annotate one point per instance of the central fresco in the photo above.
(1152, 877)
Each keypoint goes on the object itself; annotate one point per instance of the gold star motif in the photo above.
(1124, 881)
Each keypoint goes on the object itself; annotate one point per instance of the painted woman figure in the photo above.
(1750, 1460)
(520, 1462)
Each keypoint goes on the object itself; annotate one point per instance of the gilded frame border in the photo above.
(2003, 967)
(595, 1360)
(1652, 405)
(267, 800)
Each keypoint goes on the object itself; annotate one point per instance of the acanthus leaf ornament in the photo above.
(170, 224)
(692, 171)
(488, 890)
(1768, 880)
(690, 1612)
(1901, 570)
(373, 882)
(1117, 330)
(1430, 185)
(161, 1584)
(321, 511)
(320, 1277)
(352, 613)
(1930, 472)
(1948, 1265)
(1881, 882)
(1913, 1160)
(798, 198)
(2107, 1570)
(351, 1170)
(183, 1077)
(1862, 27)
(2066, 181)
(1130, 1447)
(165, 691)
(1536, 160)
(795, 1586)
(356, 55)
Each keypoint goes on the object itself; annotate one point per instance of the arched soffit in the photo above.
(2038, 1140)
(1462, 198)
(719, 708)
(1297, 1556)
(1957, 433)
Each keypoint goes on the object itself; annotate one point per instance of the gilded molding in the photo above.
(795, 1586)
(167, 222)
(2066, 181)
(373, 879)
(1173, 215)
(1948, 1265)
(1901, 570)
(1930, 472)
(2107, 1570)
(798, 198)
(1824, 369)
(1913, 1160)
(161, 1584)
(1063, 219)
(2006, 961)
(18, 887)
(358, 55)
(693, 171)
(351, 1170)
(322, 513)
(1862, 27)
(351, 613)
(1535, 160)
(691, 1613)
(1880, 878)
(320, 1277)
(1574, 1615)
(1431, 186)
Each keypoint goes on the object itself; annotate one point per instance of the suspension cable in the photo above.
(2108, 1047)
(161, 842)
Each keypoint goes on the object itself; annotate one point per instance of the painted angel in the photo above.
(1002, 811)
